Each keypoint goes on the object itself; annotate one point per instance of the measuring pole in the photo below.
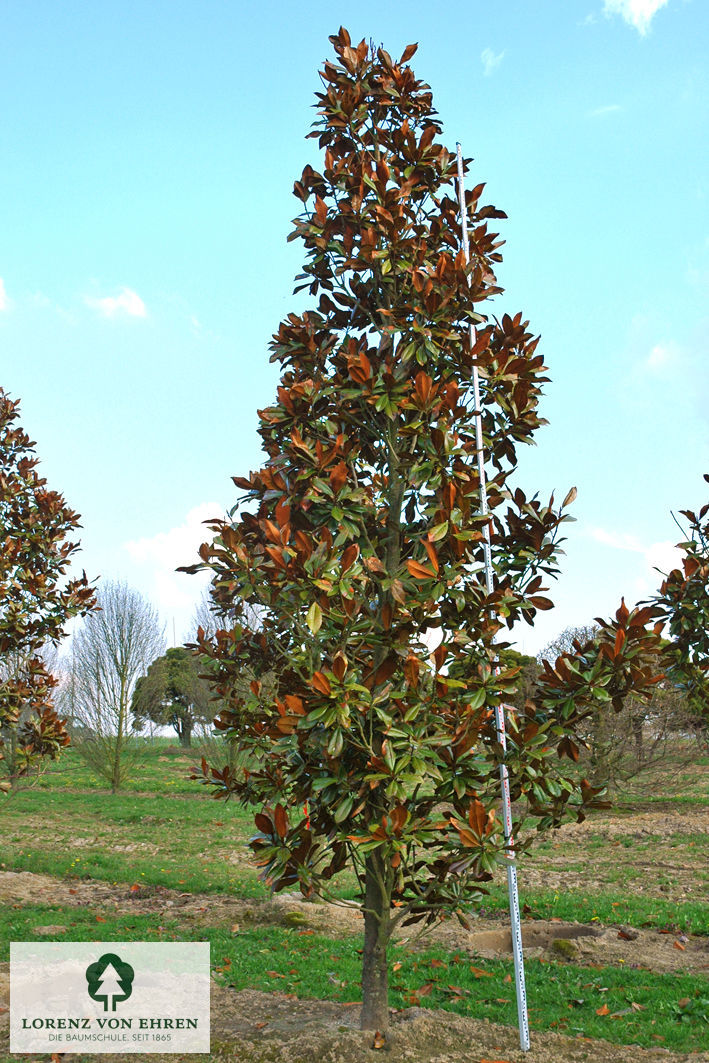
(522, 1017)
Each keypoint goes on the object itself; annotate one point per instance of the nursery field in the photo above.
(616, 926)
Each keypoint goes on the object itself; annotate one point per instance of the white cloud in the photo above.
(661, 555)
(4, 301)
(637, 13)
(128, 302)
(174, 593)
(662, 356)
(490, 60)
(600, 112)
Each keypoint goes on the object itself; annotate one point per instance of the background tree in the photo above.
(647, 742)
(114, 646)
(362, 534)
(174, 693)
(36, 599)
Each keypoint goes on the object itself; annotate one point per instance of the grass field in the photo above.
(643, 866)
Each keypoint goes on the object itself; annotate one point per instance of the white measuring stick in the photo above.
(522, 1017)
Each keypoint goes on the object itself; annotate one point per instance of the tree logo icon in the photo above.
(110, 979)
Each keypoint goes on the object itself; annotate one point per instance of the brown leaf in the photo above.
(349, 556)
(321, 683)
(281, 820)
(419, 571)
(398, 594)
(339, 665)
(627, 935)
(295, 704)
(603, 1010)
(432, 555)
(338, 477)
(480, 821)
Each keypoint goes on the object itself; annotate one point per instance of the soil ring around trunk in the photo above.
(254, 1027)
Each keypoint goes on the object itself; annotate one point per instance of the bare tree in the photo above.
(648, 740)
(211, 618)
(112, 649)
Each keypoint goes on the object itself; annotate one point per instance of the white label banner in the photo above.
(109, 996)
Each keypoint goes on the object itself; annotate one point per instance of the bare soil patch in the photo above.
(593, 945)
(658, 853)
(254, 1027)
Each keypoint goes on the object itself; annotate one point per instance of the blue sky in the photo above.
(149, 151)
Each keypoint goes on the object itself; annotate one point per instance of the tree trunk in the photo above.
(638, 721)
(184, 732)
(375, 972)
(599, 748)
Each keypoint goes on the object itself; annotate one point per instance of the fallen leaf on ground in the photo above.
(605, 1010)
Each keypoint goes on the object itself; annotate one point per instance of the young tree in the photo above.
(112, 649)
(174, 692)
(362, 536)
(36, 599)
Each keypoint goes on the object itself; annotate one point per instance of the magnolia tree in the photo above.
(36, 599)
(683, 601)
(360, 544)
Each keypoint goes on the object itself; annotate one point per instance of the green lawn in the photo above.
(166, 831)
(636, 1007)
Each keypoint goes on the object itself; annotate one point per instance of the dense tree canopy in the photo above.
(173, 692)
(36, 598)
(361, 541)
